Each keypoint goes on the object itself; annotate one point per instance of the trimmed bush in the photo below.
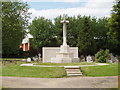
(102, 55)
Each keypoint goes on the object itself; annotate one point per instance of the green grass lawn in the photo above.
(66, 64)
(29, 71)
(107, 70)
(57, 72)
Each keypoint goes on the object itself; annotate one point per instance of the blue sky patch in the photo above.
(55, 5)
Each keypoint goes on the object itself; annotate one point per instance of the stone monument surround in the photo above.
(50, 52)
(64, 53)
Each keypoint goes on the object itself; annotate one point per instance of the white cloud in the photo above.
(54, 0)
(66, 0)
(99, 3)
(97, 8)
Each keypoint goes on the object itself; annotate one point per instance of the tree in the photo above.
(72, 31)
(100, 33)
(114, 25)
(80, 32)
(86, 42)
(14, 22)
(58, 30)
(102, 55)
(0, 32)
(43, 33)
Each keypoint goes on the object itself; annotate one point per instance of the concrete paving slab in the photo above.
(72, 82)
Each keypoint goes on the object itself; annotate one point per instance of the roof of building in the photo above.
(26, 39)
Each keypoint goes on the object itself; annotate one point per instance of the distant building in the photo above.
(25, 42)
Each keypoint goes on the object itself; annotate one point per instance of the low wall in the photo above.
(50, 52)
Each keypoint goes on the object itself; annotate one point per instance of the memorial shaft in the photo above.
(64, 34)
(64, 30)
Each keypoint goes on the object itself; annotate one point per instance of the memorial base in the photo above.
(64, 60)
(64, 56)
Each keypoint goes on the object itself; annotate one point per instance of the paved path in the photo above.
(72, 82)
(32, 64)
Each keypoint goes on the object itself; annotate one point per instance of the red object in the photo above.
(25, 46)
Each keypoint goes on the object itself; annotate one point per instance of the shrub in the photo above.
(102, 55)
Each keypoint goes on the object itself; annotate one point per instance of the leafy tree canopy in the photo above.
(14, 22)
(42, 31)
(114, 26)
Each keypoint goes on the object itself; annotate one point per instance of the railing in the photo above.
(10, 60)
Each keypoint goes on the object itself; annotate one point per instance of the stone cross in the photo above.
(39, 54)
(64, 21)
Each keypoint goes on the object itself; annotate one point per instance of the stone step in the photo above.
(74, 74)
(72, 67)
(76, 70)
(73, 70)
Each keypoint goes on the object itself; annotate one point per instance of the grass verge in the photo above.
(65, 64)
(57, 72)
(29, 71)
(107, 70)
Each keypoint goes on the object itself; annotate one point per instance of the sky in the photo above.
(53, 8)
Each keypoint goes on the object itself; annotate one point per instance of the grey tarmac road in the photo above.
(70, 82)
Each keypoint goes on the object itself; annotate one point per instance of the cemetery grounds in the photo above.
(14, 69)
